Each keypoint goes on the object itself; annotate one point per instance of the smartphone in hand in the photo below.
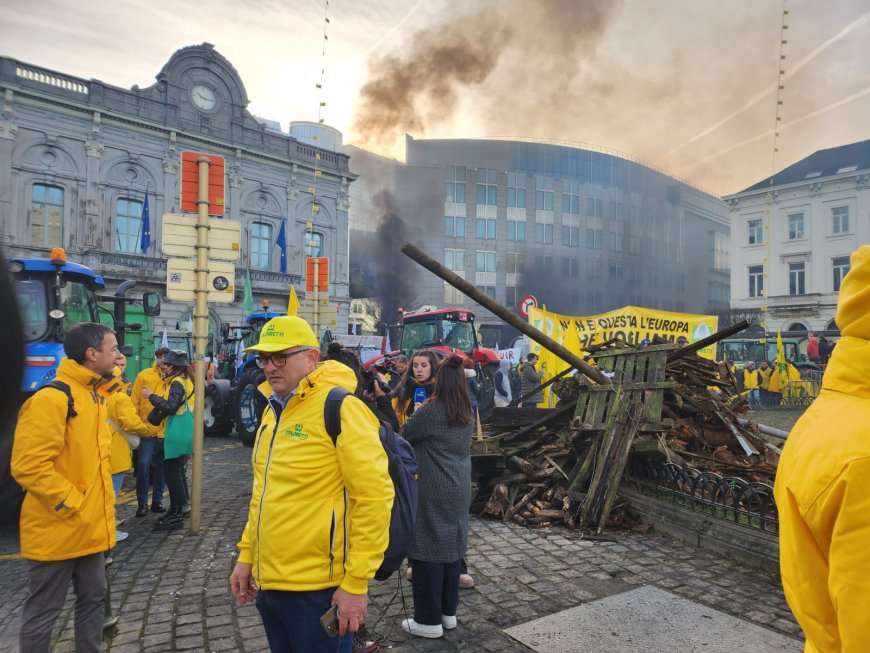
(419, 395)
(329, 621)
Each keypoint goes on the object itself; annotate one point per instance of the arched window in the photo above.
(313, 243)
(128, 225)
(261, 245)
(797, 327)
(832, 326)
(46, 216)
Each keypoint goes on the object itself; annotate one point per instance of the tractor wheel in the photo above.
(248, 405)
(216, 409)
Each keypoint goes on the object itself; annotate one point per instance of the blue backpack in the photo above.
(403, 472)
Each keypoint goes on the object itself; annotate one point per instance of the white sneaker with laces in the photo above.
(121, 535)
(448, 621)
(422, 630)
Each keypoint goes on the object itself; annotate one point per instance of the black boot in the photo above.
(171, 521)
(142, 511)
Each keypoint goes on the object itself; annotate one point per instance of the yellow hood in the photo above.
(853, 305)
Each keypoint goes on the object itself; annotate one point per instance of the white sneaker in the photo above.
(121, 536)
(421, 630)
(449, 622)
(409, 573)
(466, 582)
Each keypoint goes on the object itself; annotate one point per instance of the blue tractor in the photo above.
(53, 295)
(231, 398)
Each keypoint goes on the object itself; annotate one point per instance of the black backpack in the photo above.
(64, 388)
(402, 465)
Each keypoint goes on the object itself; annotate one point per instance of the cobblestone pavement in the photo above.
(170, 589)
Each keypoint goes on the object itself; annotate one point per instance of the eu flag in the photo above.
(281, 242)
(145, 243)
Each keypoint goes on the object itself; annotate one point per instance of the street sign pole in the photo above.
(317, 297)
(200, 336)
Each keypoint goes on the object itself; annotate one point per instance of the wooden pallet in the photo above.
(640, 374)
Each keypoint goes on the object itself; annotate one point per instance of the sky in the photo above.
(688, 86)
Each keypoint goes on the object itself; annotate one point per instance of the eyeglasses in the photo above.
(279, 359)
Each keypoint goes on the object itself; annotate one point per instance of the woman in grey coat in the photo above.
(531, 380)
(440, 432)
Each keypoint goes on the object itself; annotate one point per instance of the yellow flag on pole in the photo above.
(292, 302)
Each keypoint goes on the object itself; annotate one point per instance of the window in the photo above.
(570, 268)
(840, 220)
(452, 296)
(756, 280)
(516, 230)
(485, 228)
(544, 194)
(795, 226)
(128, 225)
(571, 236)
(841, 269)
(488, 290)
(514, 263)
(544, 264)
(486, 186)
(570, 204)
(454, 227)
(718, 249)
(594, 207)
(485, 261)
(261, 245)
(543, 233)
(314, 246)
(46, 216)
(454, 259)
(796, 278)
(511, 298)
(755, 232)
(615, 271)
(616, 242)
(593, 238)
(516, 190)
(593, 268)
(455, 186)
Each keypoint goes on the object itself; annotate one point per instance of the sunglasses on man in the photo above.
(278, 359)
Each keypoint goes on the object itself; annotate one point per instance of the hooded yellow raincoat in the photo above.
(151, 378)
(307, 490)
(822, 488)
(63, 465)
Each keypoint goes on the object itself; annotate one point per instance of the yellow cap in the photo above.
(853, 305)
(284, 332)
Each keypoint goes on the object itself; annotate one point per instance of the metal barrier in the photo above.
(729, 498)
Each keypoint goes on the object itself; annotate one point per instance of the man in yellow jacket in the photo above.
(61, 459)
(822, 488)
(150, 451)
(318, 521)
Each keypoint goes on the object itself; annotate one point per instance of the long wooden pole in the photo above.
(514, 320)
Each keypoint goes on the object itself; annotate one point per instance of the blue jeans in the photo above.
(117, 482)
(148, 454)
(292, 622)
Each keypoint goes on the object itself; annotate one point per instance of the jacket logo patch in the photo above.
(296, 432)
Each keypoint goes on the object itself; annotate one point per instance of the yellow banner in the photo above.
(632, 324)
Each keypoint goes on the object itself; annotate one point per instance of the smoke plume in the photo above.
(394, 272)
(418, 89)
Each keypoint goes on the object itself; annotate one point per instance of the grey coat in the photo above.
(444, 459)
(531, 380)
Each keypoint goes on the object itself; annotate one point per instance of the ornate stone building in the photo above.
(78, 156)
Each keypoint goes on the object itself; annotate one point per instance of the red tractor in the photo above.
(449, 331)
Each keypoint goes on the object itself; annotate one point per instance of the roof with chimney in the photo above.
(823, 163)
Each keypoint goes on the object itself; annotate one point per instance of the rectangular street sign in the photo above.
(190, 183)
(327, 314)
(181, 280)
(322, 274)
(178, 237)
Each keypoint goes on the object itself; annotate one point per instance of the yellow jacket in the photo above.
(822, 488)
(64, 467)
(151, 378)
(307, 489)
(765, 377)
(750, 380)
(122, 415)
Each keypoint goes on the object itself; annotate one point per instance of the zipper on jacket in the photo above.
(265, 478)
(332, 544)
(257, 440)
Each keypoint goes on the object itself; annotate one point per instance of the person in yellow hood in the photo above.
(319, 517)
(150, 448)
(822, 488)
(60, 457)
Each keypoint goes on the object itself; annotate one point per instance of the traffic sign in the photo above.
(178, 237)
(181, 280)
(527, 302)
(322, 274)
(327, 315)
(190, 183)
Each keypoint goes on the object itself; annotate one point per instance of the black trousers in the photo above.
(176, 481)
(436, 590)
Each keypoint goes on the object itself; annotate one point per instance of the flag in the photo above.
(293, 302)
(781, 364)
(164, 341)
(281, 242)
(145, 243)
(248, 304)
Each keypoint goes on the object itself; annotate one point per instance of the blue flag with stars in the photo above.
(281, 242)
(145, 243)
